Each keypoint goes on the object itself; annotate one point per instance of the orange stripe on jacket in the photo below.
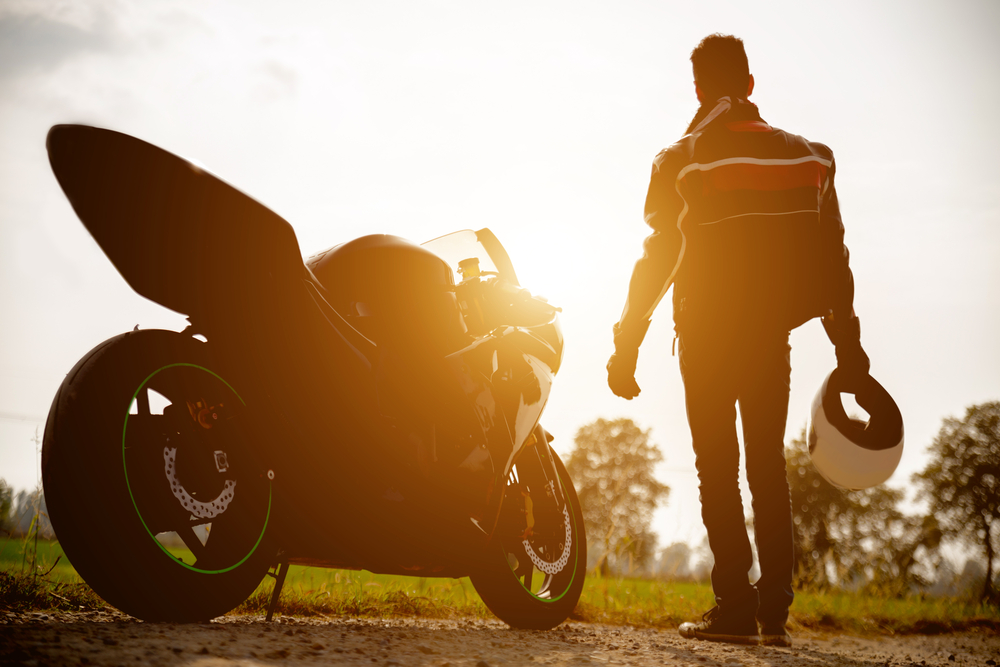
(763, 177)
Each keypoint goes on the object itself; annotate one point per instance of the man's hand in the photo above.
(845, 334)
(852, 362)
(621, 375)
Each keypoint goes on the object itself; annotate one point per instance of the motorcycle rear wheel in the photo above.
(535, 569)
(144, 439)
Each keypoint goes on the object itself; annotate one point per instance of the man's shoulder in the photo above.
(798, 141)
(774, 143)
(676, 155)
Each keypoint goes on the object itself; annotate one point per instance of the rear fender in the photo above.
(179, 235)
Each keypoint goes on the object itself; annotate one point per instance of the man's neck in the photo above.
(738, 107)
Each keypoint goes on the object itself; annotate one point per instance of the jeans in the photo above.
(720, 366)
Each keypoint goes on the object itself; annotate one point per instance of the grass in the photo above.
(663, 604)
(311, 591)
(53, 584)
(16, 555)
(642, 603)
(43, 579)
(868, 614)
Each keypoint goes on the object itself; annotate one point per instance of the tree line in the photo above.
(843, 539)
(21, 512)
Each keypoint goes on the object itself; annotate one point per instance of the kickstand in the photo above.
(279, 574)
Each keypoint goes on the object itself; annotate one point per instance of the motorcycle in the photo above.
(360, 409)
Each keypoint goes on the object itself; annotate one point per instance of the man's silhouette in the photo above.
(747, 229)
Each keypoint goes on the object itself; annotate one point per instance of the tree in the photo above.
(907, 557)
(612, 467)
(675, 562)
(6, 503)
(857, 537)
(961, 482)
(29, 513)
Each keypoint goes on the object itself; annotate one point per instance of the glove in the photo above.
(621, 375)
(621, 365)
(845, 334)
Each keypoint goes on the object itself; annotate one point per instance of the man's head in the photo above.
(720, 68)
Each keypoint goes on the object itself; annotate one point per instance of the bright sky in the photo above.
(538, 120)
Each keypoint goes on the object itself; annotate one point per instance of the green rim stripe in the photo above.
(129, 486)
(576, 554)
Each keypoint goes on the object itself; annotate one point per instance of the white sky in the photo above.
(538, 120)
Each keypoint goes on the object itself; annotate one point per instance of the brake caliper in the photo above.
(204, 414)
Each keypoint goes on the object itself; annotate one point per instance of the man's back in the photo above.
(762, 236)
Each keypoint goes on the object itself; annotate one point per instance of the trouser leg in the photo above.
(710, 390)
(764, 410)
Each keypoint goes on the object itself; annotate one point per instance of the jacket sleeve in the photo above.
(841, 280)
(662, 253)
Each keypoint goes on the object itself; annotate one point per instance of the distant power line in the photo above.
(10, 416)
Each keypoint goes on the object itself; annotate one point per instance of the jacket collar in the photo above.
(732, 108)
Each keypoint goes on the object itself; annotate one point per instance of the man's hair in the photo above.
(720, 66)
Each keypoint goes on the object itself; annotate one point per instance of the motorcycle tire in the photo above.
(119, 475)
(511, 582)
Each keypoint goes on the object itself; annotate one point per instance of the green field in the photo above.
(668, 604)
(15, 556)
(640, 603)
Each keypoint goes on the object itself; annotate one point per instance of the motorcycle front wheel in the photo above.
(152, 487)
(535, 568)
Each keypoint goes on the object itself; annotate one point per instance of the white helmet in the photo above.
(850, 453)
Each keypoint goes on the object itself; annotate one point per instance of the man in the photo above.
(747, 229)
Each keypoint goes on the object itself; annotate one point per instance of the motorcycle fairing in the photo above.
(506, 386)
(490, 409)
(179, 235)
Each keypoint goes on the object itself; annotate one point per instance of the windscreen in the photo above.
(455, 247)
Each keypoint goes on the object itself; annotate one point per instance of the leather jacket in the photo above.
(746, 226)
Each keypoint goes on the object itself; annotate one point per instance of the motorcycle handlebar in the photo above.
(502, 303)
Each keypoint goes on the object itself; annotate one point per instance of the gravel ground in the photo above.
(109, 638)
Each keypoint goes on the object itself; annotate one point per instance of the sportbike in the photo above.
(374, 406)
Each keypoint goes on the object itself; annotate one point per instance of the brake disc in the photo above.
(199, 509)
(558, 565)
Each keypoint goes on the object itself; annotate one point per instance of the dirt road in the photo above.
(103, 638)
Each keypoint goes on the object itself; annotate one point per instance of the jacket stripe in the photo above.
(764, 177)
(708, 166)
(813, 211)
